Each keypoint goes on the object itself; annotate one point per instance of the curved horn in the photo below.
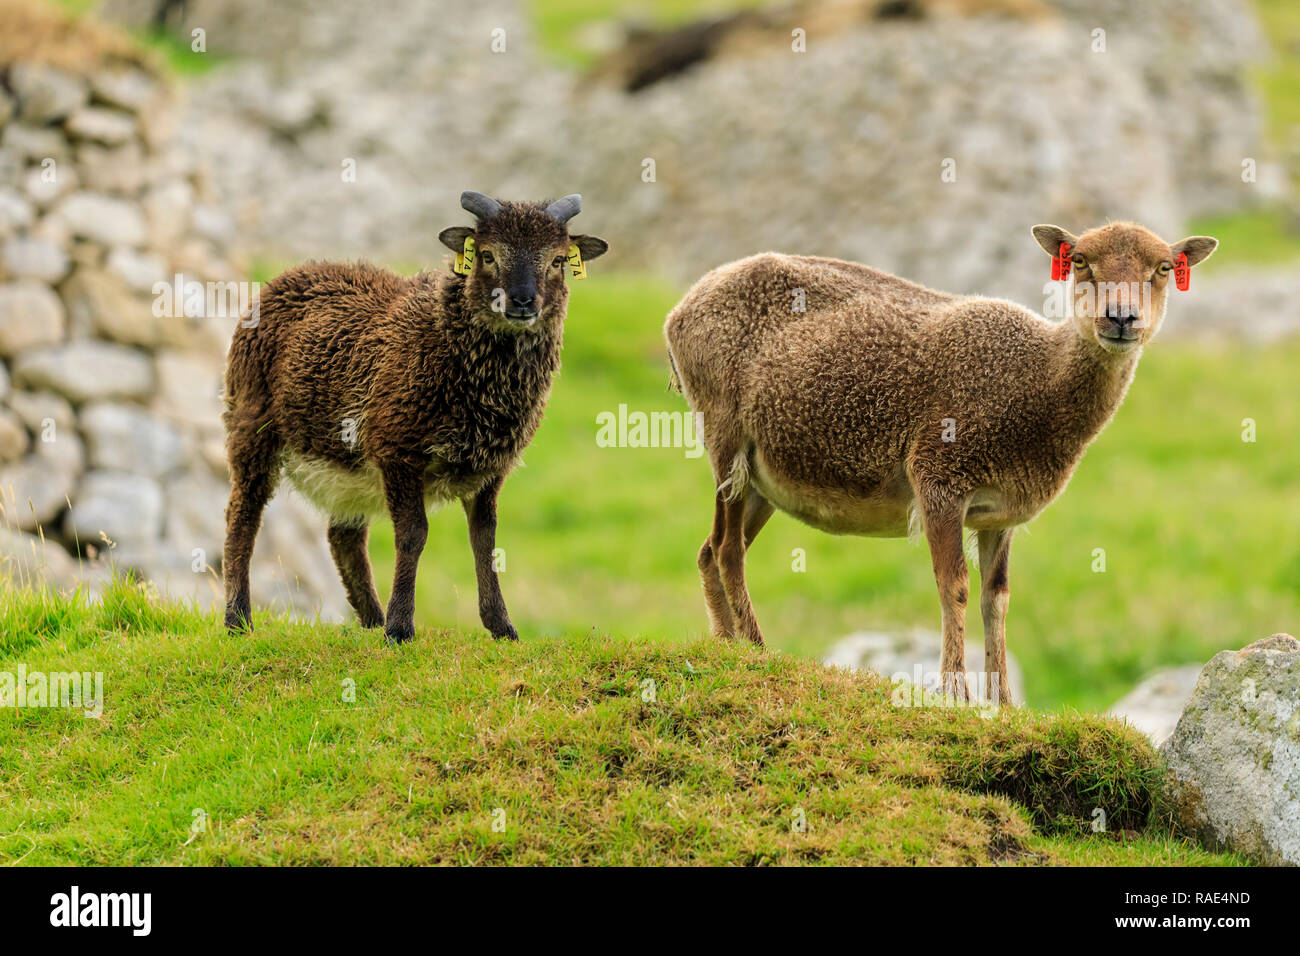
(562, 210)
(484, 207)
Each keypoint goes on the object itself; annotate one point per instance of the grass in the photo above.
(1279, 79)
(1265, 236)
(175, 53)
(1201, 531)
(303, 744)
(561, 27)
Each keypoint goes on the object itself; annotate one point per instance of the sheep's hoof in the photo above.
(396, 633)
(373, 619)
(238, 621)
(507, 633)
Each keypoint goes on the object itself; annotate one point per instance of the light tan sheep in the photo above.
(859, 403)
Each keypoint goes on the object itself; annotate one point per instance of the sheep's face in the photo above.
(1120, 279)
(517, 281)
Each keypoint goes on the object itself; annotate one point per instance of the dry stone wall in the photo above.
(111, 448)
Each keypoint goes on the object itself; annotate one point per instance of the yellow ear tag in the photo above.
(577, 268)
(465, 259)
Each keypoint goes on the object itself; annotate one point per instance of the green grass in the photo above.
(1279, 80)
(1201, 530)
(459, 749)
(561, 25)
(1264, 236)
(1268, 235)
(174, 52)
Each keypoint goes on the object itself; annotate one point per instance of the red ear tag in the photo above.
(1182, 271)
(1061, 262)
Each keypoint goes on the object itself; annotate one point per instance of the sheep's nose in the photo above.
(522, 306)
(1123, 322)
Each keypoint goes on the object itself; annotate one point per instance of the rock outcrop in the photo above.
(1234, 758)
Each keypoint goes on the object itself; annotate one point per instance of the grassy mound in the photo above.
(307, 743)
(36, 31)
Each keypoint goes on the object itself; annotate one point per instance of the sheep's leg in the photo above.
(348, 546)
(404, 489)
(730, 551)
(943, 530)
(995, 595)
(481, 513)
(721, 623)
(252, 480)
(757, 512)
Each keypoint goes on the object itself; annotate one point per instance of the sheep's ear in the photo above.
(590, 246)
(453, 237)
(1051, 237)
(1198, 248)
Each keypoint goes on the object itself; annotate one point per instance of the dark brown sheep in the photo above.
(375, 393)
(861, 403)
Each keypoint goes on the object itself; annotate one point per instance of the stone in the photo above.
(46, 186)
(124, 437)
(99, 303)
(13, 437)
(910, 653)
(45, 94)
(34, 257)
(108, 126)
(216, 225)
(292, 569)
(139, 270)
(129, 88)
(104, 219)
(43, 413)
(35, 143)
(87, 370)
(12, 166)
(118, 169)
(30, 316)
(15, 212)
(60, 449)
(167, 209)
(127, 508)
(28, 560)
(189, 388)
(34, 491)
(196, 503)
(1234, 758)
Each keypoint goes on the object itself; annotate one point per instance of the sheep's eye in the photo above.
(1163, 268)
(557, 262)
(1079, 261)
(487, 257)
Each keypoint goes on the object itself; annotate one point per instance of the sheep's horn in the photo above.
(484, 207)
(562, 210)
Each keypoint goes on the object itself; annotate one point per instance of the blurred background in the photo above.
(218, 140)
